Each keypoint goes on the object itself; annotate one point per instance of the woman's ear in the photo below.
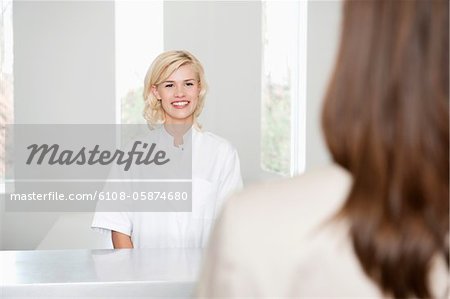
(155, 92)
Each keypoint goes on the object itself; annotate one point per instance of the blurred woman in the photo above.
(174, 95)
(376, 222)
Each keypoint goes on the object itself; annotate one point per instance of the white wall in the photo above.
(323, 36)
(63, 62)
(63, 73)
(226, 37)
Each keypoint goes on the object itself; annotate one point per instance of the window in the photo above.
(139, 39)
(283, 87)
(6, 81)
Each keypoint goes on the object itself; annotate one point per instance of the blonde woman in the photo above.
(174, 95)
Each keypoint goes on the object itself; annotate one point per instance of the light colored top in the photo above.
(215, 175)
(274, 241)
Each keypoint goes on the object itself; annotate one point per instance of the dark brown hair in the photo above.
(386, 120)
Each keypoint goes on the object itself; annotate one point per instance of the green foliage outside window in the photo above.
(133, 107)
(276, 120)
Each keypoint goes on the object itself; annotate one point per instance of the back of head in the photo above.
(386, 120)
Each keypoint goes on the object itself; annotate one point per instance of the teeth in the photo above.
(180, 103)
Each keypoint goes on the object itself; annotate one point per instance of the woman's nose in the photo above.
(179, 92)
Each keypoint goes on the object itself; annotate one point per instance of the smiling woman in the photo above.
(174, 95)
(178, 95)
(174, 77)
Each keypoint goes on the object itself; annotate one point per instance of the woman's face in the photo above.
(179, 95)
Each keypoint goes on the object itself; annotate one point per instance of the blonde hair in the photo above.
(161, 69)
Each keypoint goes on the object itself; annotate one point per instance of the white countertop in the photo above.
(125, 273)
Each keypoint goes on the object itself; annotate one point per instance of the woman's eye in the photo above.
(189, 84)
(168, 85)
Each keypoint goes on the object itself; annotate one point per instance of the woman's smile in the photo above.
(180, 104)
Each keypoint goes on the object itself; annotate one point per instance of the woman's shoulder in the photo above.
(288, 210)
(278, 230)
(321, 189)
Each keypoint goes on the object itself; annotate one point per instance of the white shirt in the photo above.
(215, 175)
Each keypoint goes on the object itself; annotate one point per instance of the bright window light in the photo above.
(283, 87)
(139, 39)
